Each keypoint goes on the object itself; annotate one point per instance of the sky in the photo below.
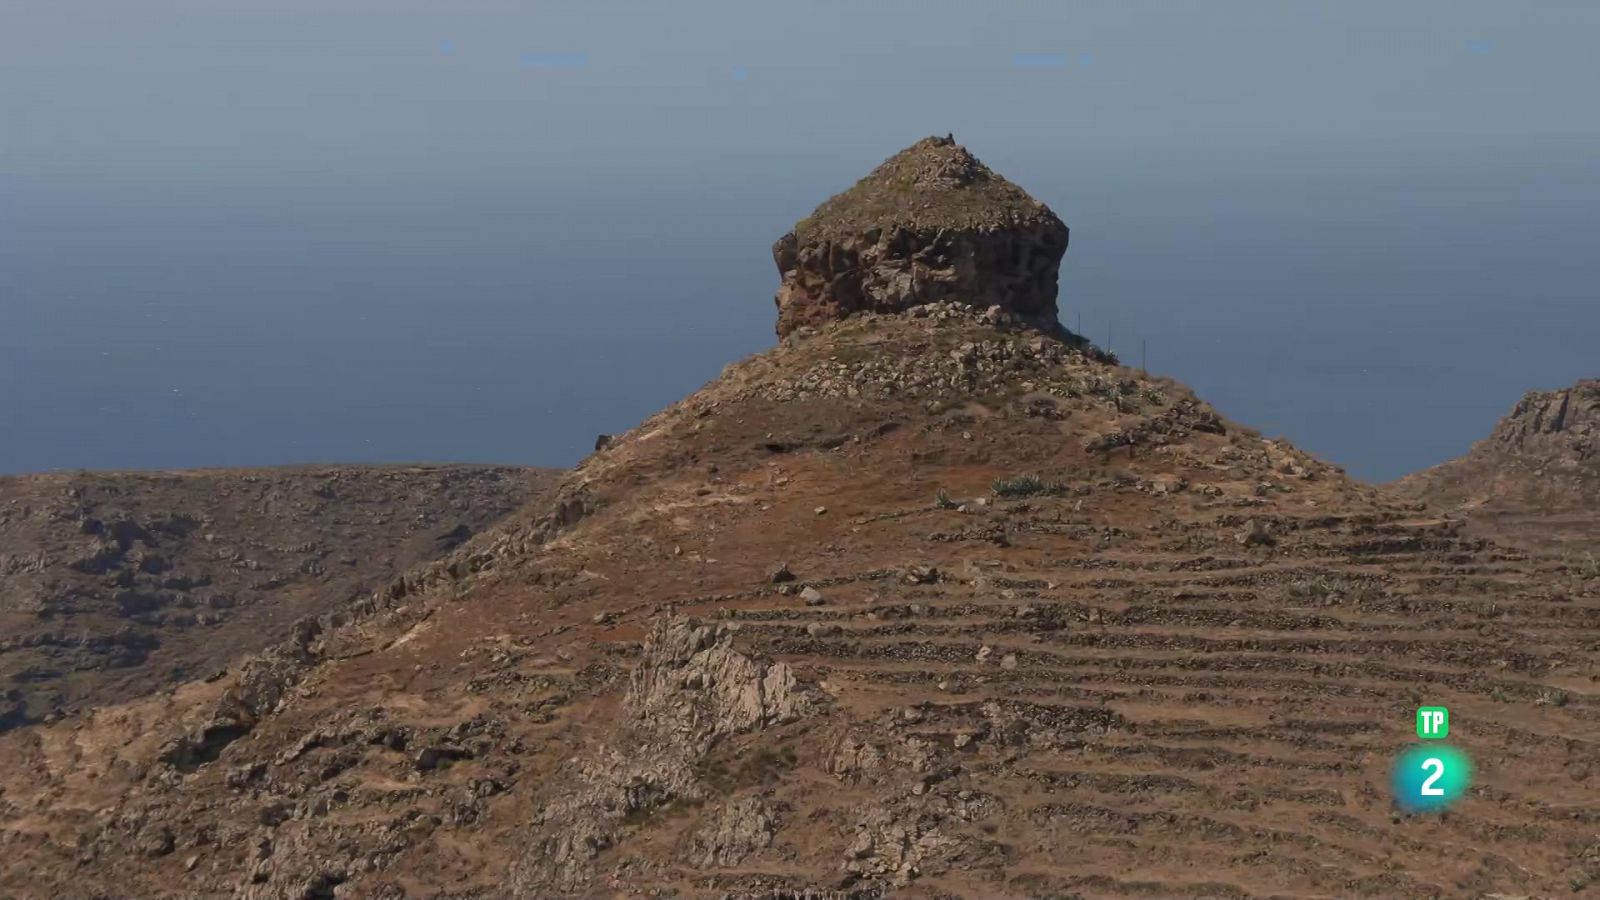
(251, 234)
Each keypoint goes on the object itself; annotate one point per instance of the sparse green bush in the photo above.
(1317, 587)
(1026, 485)
(942, 500)
(1018, 486)
(1589, 566)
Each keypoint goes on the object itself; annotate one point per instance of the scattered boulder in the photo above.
(157, 840)
(1257, 533)
(439, 756)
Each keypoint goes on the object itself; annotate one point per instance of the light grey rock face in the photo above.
(690, 690)
(901, 843)
(733, 833)
(693, 682)
(931, 224)
(1561, 428)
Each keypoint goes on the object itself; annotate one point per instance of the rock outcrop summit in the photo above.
(930, 224)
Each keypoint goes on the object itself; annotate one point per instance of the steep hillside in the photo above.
(924, 604)
(1535, 479)
(116, 584)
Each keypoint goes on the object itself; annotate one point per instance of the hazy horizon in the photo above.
(398, 233)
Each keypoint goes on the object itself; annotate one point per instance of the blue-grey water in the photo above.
(314, 234)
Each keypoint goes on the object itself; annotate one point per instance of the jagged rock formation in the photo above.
(929, 605)
(115, 585)
(930, 224)
(1545, 452)
(1535, 480)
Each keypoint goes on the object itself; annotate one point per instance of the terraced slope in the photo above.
(812, 633)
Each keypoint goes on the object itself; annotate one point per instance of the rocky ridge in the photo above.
(1546, 451)
(113, 585)
(1535, 480)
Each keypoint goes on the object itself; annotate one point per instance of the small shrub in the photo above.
(764, 765)
(942, 500)
(1499, 695)
(1366, 594)
(1552, 697)
(714, 773)
(670, 809)
(1589, 566)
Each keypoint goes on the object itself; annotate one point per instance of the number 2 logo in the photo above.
(1435, 765)
(1429, 778)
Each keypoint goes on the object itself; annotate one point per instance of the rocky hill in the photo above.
(919, 603)
(114, 585)
(1535, 478)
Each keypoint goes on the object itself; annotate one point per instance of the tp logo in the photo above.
(1433, 723)
(1431, 777)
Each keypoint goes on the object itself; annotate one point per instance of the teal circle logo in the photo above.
(1430, 778)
